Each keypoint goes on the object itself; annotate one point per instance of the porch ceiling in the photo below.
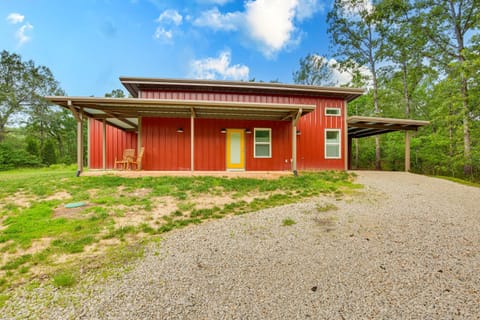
(123, 112)
(360, 127)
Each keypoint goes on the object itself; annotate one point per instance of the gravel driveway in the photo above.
(406, 247)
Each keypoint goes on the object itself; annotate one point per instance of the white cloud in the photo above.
(169, 20)
(218, 2)
(215, 68)
(354, 9)
(170, 16)
(308, 8)
(214, 19)
(343, 76)
(162, 34)
(21, 35)
(271, 23)
(15, 18)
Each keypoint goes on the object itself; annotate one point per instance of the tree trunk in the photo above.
(459, 35)
(467, 152)
(376, 109)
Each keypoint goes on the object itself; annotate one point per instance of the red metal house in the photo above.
(217, 125)
(223, 125)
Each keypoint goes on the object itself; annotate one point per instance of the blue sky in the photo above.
(88, 44)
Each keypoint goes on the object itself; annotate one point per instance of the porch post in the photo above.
(192, 140)
(349, 154)
(294, 147)
(104, 144)
(347, 140)
(80, 142)
(294, 140)
(79, 117)
(139, 140)
(407, 151)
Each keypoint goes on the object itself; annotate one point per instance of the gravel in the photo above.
(404, 247)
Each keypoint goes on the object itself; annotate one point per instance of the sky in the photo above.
(89, 44)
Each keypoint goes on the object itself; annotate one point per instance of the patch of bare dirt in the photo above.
(37, 246)
(61, 195)
(70, 213)
(20, 199)
(162, 206)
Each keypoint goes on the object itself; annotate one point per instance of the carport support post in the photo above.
(294, 140)
(407, 151)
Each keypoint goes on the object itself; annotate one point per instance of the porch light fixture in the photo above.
(180, 130)
(299, 133)
(223, 130)
(248, 131)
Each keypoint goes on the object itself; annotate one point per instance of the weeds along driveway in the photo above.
(406, 246)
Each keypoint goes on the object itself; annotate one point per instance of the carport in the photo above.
(361, 127)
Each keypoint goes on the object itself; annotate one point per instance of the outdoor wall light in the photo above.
(180, 130)
(223, 130)
(248, 131)
(299, 133)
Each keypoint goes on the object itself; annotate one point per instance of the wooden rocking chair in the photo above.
(127, 158)
(138, 161)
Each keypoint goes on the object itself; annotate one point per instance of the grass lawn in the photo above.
(42, 240)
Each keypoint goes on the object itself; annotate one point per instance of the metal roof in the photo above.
(133, 85)
(360, 127)
(123, 112)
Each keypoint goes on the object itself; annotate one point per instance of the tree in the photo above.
(404, 43)
(314, 70)
(22, 86)
(354, 33)
(446, 24)
(116, 93)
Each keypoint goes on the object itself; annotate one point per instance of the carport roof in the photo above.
(123, 113)
(360, 127)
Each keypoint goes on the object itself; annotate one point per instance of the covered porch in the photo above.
(126, 114)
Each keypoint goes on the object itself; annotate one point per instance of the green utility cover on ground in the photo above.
(75, 205)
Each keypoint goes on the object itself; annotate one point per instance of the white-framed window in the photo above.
(333, 111)
(333, 144)
(262, 143)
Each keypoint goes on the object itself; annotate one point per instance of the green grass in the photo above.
(461, 181)
(288, 222)
(110, 197)
(326, 207)
(64, 279)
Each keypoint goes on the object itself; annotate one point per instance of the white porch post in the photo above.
(347, 141)
(79, 117)
(192, 139)
(139, 140)
(294, 140)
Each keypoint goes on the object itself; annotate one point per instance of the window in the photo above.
(332, 144)
(331, 111)
(262, 143)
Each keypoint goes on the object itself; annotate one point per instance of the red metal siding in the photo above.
(165, 148)
(117, 140)
(210, 144)
(311, 142)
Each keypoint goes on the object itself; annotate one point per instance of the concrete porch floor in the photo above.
(222, 174)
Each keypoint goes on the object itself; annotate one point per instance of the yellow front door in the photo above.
(235, 149)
